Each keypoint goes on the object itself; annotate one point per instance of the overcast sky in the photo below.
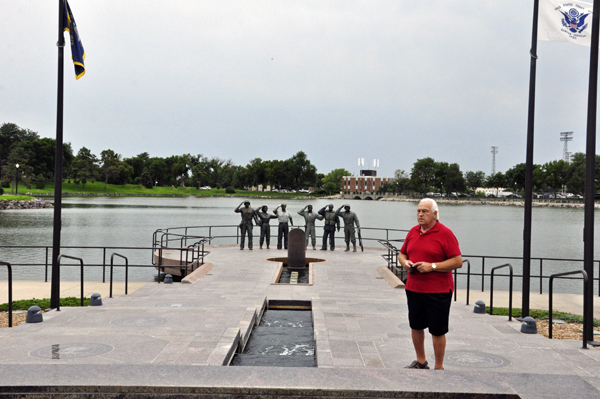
(393, 80)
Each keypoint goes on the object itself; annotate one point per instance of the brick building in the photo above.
(366, 182)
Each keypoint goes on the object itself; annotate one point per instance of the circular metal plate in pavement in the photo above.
(475, 360)
(71, 351)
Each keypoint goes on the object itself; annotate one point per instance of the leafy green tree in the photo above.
(440, 172)
(11, 134)
(455, 181)
(422, 174)
(333, 181)
(473, 180)
(258, 173)
(402, 180)
(24, 173)
(555, 175)
(139, 163)
(497, 180)
(302, 172)
(85, 166)
(515, 177)
(576, 174)
(159, 171)
(111, 166)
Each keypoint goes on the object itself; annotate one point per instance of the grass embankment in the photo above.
(132, 189)
(15, 197)
(25, 304)
(542, 315)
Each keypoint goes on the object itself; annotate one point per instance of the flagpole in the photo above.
(529, 166)
(590, 190)
(58, 170)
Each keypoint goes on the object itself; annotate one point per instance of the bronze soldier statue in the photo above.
(309, 219)
(331, 222)
(350, 219)
(265, 228)
(246, 225)
(284, 217)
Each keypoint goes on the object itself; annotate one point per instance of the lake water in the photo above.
(131, 221)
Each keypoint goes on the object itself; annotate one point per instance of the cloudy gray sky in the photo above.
(393, 80)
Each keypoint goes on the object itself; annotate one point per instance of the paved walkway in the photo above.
(176, 338)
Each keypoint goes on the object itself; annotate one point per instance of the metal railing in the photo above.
(60, 257)
(10, 304)
(510, 290)
(111, 271)
(468, 262)
(552, 277)
(539, 276)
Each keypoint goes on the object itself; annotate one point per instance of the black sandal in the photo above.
(417, 365)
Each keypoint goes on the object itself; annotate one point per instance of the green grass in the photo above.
(541, 315)
(25, 304)
(15, 197)
(132, 189)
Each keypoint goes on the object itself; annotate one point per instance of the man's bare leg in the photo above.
(418, 338)
(439, 348)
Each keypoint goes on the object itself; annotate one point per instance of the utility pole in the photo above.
(494, 152)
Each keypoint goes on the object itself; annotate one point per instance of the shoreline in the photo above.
(39, 203)
(519, 203)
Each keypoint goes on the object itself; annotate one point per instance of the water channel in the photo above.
(130, 222)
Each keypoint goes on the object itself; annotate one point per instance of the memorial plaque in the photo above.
(296, 249)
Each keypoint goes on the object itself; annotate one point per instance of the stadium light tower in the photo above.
(566, 137)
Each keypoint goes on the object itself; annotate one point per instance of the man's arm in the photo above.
(238, 210)
(446, 266)
(356, 221)
(322, 211)
(404, 262)
(291, 221)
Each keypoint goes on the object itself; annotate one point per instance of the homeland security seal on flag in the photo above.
(574, 20)
(565, 21)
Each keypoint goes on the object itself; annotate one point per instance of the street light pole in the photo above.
(17, 179)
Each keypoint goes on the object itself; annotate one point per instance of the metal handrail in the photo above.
(510, 291)
(111, 271)
(10, 307)
(81, 263)
(552, 277)
(468, 262)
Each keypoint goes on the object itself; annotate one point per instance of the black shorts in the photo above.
(429, 311)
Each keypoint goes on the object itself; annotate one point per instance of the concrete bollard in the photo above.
(529, 326)
(96, 300)
(34, 315)
(479, 307)
(168, 279)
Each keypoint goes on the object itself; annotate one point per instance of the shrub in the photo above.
(230, 190)
(40, 182)
(5, 184)
(1, 191)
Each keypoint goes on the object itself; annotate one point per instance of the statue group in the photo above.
(330, 216)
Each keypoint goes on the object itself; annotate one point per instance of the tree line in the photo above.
(35, 157)
(428, 175)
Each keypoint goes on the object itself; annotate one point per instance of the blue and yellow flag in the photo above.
(77, 51)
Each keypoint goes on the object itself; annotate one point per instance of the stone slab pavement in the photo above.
(176, 339)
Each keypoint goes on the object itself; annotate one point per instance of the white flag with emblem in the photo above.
(565, 21)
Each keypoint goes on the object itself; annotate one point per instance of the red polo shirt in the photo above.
(435, 245)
